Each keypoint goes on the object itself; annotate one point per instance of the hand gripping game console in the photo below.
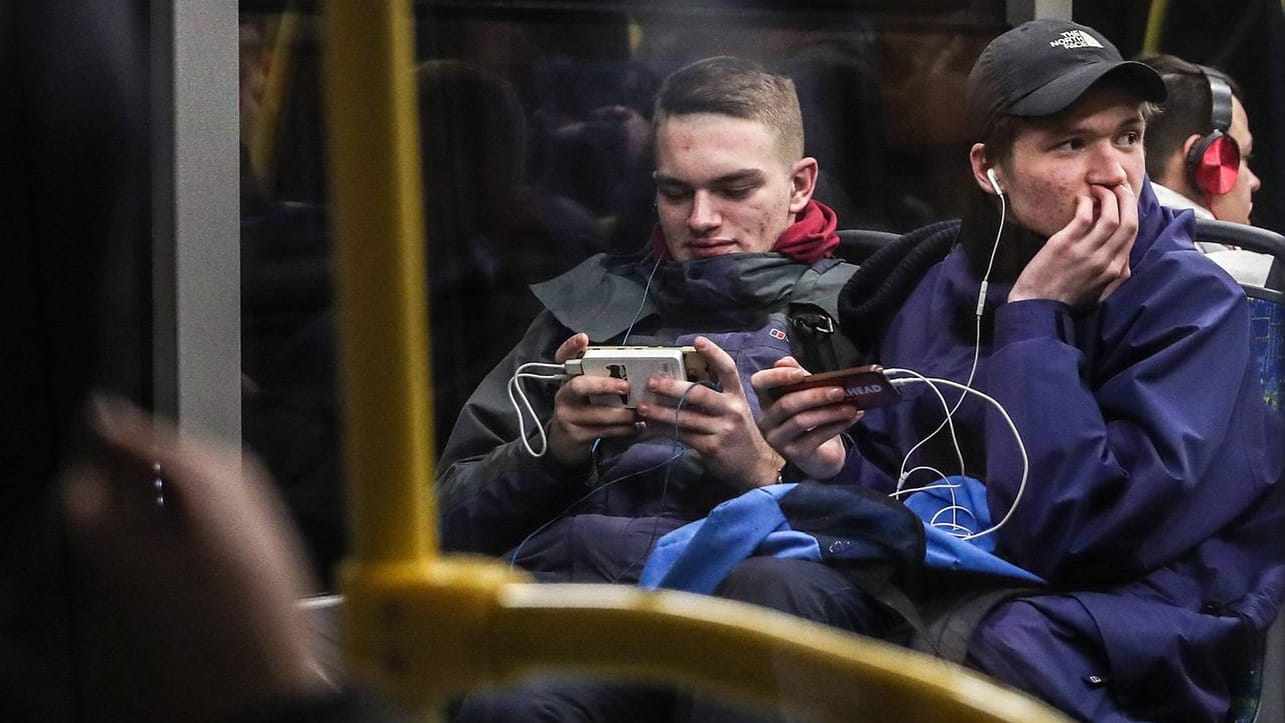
(637, 364)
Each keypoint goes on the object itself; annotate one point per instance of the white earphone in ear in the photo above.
(990, 173)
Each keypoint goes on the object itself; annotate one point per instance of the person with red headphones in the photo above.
(1198, 151)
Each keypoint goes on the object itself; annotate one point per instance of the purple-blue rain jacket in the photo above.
(1153, 503)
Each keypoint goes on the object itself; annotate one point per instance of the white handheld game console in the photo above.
(637, 364)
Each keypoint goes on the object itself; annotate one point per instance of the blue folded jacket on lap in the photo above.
(832, 524)
(951, 510)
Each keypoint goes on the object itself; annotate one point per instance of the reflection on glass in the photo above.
(535, 129)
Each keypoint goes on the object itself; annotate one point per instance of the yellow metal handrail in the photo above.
(422, 628)
(377, 214)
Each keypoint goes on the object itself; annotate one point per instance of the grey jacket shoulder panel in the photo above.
(600, 296)
(604, 294)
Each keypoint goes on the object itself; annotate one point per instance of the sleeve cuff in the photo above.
(1031, 319)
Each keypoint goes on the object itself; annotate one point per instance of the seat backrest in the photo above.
(1248, 237)
(1256, 693)
(1267, 303)
(858, 244)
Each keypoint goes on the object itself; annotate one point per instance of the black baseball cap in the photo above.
(1041, 67)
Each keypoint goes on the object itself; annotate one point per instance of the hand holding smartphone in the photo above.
(865, 386)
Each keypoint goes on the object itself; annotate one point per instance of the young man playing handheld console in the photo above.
(1151, 505)
(740, 246)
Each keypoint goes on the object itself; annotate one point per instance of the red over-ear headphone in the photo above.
(1214, 160)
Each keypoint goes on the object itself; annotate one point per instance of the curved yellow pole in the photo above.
(773, 660)
(430, 643)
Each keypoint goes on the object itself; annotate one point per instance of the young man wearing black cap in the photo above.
(1151, 507)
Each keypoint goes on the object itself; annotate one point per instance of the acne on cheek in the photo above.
(1046, 213)
(764, 230)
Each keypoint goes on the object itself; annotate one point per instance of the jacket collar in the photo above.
(604, 295)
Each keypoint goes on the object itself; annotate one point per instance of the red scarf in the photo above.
(809, 239)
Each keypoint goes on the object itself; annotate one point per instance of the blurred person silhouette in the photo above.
(591, 141)
(1198, 150)
(112, 607)
(192, 584)
(838, 78)
(287, 392)
(490, 235)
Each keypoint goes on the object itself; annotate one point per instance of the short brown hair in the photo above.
(738, 88)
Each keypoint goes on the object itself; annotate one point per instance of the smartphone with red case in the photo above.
(865, 386)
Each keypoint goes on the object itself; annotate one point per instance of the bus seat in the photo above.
(858, 244)
(1262, 695)
(1267, 303)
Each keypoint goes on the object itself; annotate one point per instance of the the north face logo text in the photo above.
(1075, 39)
